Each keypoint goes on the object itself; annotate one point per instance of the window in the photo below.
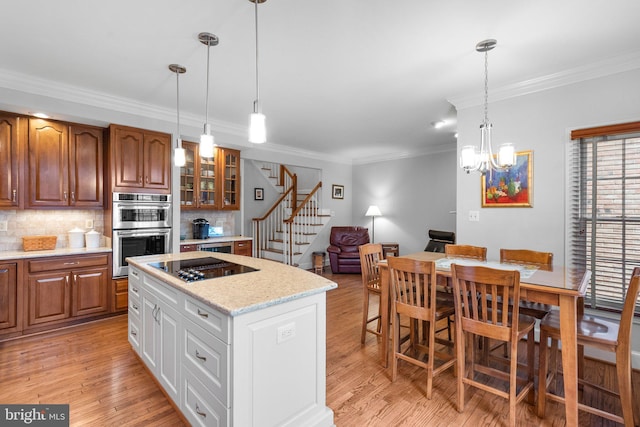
(605, 210)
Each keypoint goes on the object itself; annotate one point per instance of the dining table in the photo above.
(556, 285)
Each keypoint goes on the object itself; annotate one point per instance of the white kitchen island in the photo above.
(242, 350)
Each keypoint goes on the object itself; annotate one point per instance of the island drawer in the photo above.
(67, 262)
(207, 318)
(208, 357)
(134, 334)
(199, 406)
(169, 295)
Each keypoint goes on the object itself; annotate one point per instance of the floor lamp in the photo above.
(373, 212)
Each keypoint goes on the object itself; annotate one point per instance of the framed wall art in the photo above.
(512, 188)
(258, 194)
(337, 191)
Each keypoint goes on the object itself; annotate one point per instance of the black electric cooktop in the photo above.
(191, 270)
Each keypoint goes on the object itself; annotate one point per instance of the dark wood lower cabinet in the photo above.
(9, 298)
(65, 289)
(120, 300)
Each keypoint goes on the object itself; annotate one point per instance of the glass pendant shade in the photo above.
(179, 157)
(206, 142)
(257, 128)
(506, 155)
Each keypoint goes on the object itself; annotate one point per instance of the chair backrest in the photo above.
(438, 240)
(466, 251)
(349, 237)
(526, 256)
(487, 292)
(370, 254)
(626, 318)
(413, 287)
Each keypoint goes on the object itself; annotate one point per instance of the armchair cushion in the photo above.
(343, 250)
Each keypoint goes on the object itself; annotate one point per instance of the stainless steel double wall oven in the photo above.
(141, 226)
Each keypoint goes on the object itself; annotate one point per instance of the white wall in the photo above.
(414, 195)
(541, 122)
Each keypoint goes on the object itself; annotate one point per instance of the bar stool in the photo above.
(318, 262)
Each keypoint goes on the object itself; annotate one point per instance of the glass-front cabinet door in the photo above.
(231, 184)
(199, 188)
(188, 174)
(208, 182)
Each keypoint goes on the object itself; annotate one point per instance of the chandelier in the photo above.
(484, 160)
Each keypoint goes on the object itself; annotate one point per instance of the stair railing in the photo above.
(266, 228)
(300, 224)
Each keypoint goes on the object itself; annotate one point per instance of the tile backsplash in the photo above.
(46, 222)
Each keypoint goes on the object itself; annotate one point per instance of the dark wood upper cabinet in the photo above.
(86, 166)
(140, 160)
(13, 131)
(66, 165)
(48, 163)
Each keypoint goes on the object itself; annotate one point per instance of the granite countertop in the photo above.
(6, 255)
(274, 284)
(215, 240)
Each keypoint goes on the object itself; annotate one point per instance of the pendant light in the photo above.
(257, 120)
(484, 160)
(206, 139)
(179, 158)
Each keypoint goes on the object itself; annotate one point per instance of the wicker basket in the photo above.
(39, 243)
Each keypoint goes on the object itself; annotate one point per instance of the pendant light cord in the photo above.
(486, 87)
(255, 103)
(206, 104)
(178, 108)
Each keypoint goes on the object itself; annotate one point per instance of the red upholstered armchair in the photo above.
(343, 250)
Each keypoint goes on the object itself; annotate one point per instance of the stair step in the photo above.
(279, 251)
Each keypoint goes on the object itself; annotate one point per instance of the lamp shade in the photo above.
(206, 142)
(373, 211)
(257, 128)
(179, 158)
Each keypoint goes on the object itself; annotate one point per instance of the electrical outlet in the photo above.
(286, 332)
(88, 223)
(3, 225)
(474, 216)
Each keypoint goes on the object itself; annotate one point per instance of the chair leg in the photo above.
(431, 336)
(542, 375)
(365, 315)
(460, 368)
(513, 383)
(623, 369)
(531, 351)
(395, 345)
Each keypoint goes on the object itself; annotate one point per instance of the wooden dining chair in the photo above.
(542, 260)
(413, 286)
(466, 251)
(603, 334)
(370, 255)
(482, 310)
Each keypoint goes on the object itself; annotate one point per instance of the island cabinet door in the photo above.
(149, 346)
(169, 339)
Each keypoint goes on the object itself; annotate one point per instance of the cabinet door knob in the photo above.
(65, 195)
(140, 179)
(73, 196)
(14, 195)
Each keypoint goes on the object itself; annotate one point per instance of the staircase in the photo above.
(285, 232)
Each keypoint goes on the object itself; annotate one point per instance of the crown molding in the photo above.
(596, 70)
(432, 149)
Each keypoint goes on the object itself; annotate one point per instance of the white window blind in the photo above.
(605, 208)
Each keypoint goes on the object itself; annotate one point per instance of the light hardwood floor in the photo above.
(92, 368)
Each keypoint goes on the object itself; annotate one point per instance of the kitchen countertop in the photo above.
(6, 255)
(215, 240)
(274, 284)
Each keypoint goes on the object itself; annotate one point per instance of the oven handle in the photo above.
(138, 205)
(140, 233)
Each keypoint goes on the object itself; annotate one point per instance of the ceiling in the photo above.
(350, 79)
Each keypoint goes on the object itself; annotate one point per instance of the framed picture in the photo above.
(258, 194)
(512, 188)
(337, 191)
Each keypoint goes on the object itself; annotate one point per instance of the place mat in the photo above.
(526, 271)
